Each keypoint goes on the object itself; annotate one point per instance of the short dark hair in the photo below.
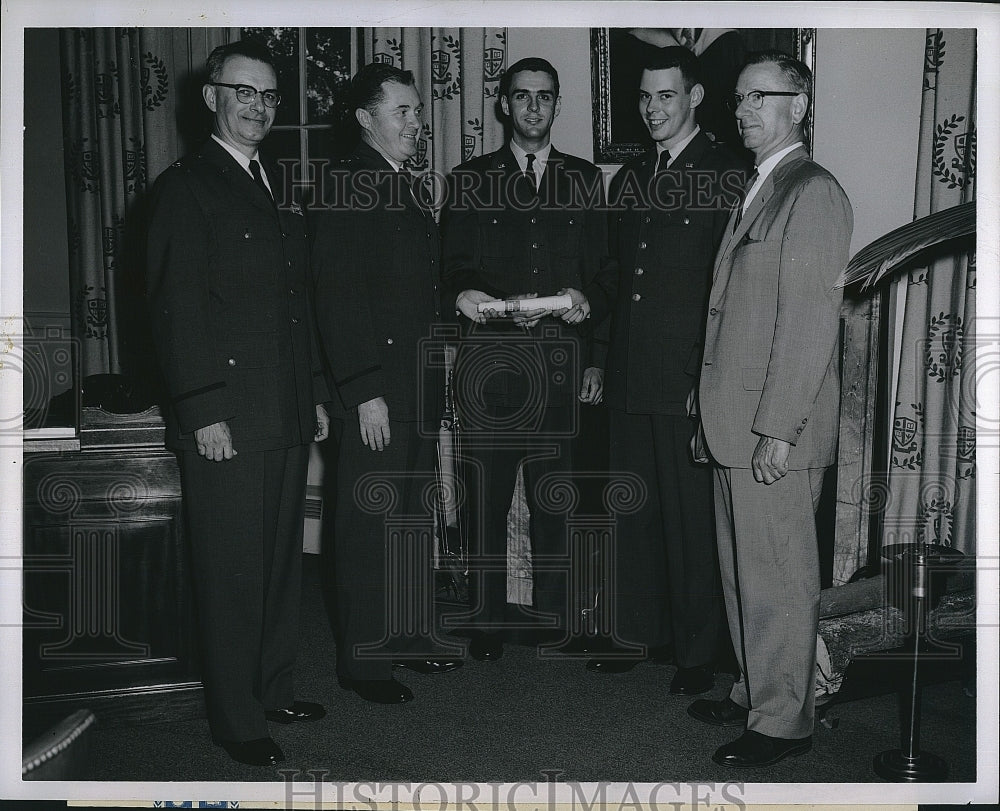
(674, 56)
(366, 86)
(532, 63)
(250, 48)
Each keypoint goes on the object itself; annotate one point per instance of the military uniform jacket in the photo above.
(230, 307)
(665, 232)
(503, 249)
(376, 262)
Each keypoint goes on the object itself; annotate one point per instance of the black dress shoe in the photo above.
(691, 681)
(724, 713)
(486, 647)
(299, 711)
(756, 749)
(429, 667)
(613, 665)
(380, 691)
(576, 646)
(258, 752)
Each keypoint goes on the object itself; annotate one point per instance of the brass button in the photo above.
(231, 361)
(246, 235)
(295, 321)
(642, 246)
(687, 220)
(388, 340)
(639, 271)
(636, 297)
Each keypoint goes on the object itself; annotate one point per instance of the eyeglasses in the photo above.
(246, 94)
(755, 98)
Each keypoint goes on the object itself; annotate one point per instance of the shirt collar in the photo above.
(541, 157)
(238, 156)
(767, 166)
(677, 148)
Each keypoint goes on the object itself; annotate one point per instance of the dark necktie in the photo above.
(526, 188)
(661, 164)
(259, 180)
(743, 199)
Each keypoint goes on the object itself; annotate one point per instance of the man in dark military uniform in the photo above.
(523, 221)
(375, 261)
(232, 322)
(669, 207)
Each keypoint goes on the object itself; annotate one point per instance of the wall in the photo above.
(868, 88)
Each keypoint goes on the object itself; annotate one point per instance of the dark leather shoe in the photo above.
(613, 665)
(756, 749)
(258, 752)
(429, 667)
(299, 711)
(381, 691)
(576, 646)
(724, 713)
(691, 681)
(486, 647)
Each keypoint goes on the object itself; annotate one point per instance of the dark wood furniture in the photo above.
(109, 618)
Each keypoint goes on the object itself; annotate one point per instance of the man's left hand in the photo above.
(579, 310)
(770, 459)
(592, 390)
(322, 423)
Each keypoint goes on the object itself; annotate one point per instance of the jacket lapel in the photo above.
(757, 205)
(237, 177)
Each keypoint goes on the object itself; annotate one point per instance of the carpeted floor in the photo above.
(520, 719)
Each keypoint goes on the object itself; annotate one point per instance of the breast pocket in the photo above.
(564, 234)
(498, 236)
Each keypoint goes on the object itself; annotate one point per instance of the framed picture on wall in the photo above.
(616, 67)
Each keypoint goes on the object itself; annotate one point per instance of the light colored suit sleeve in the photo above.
(815, 248)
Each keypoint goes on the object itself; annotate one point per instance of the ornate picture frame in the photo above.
(618, 131)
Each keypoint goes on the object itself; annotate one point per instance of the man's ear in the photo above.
(558, 106)
(208, 93)
(697, 95)
(364, 118)
(505, 106)
(800, 106)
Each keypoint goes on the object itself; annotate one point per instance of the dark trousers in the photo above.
(383, 547)
(245, 518)
(667, 586)
(489, 462)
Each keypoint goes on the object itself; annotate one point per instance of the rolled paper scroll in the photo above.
(521, 305)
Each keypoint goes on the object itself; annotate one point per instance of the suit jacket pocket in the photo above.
(753, 379)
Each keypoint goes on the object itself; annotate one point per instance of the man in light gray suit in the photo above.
(769, 401)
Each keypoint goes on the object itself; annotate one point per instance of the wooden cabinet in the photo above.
(108, 604)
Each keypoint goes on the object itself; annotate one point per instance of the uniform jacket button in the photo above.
(636, 296)
(388, 340)
(246, 235)
(231, 361)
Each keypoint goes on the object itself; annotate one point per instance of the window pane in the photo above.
(328, 70)
(284, 45)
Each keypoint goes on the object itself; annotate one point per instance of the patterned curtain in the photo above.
(932, 486)
(457, 71)
(128, 113)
